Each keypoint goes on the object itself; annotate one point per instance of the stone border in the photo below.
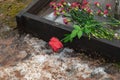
(28, 22)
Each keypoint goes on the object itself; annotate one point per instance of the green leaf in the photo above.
(74, 33)
(80, 33)
(87, 31)
(66, 39)
(71, 39)
(77, 27)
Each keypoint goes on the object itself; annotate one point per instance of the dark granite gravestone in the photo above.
(31, 20)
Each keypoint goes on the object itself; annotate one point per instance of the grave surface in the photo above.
(29, 58)
(32, 20)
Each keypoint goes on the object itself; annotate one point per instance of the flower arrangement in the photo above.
(83, 19)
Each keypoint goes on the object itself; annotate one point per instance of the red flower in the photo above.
(89, 11)
(85, 2)
(74, 4)
(55, 7)
(108, 6)
(83, 7)
(52, 4)
(55, 44)
(105, 12)
(61, 10)
(65, 20)
(56, 13)
(62, 1)
(59, 5)
(97, 3)
(99, 12)
(86, 8)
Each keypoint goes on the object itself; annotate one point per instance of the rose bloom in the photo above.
(55, 44)
(106, 12)
(65, 20)
(99, 12)
(52, 4)
(108, 6)
(97, 3)
(85, 2)
(75, 4)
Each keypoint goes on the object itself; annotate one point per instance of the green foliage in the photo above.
(85, 24)
(76, 32)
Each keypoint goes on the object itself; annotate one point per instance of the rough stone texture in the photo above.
(29, 58)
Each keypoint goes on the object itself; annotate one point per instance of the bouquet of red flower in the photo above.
(83, 19)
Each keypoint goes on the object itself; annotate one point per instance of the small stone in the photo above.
(22, 54)
(94, 75)
(3, 46)
(48, 51)
(107, 79)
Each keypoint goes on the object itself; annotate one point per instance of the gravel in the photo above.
(35, 60)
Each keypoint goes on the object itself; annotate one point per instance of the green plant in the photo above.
(85, 24)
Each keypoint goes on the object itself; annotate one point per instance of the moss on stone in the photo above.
(9, 9)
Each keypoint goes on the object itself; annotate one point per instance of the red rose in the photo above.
(108, 6)
(55, 7)
(83, 7)
(97, 3)
(89, 11)
(59, 5)
(85, 2)
(99, 12)
(65, 20)
(62, 1)
(56, 13)
(55, 44)
(106, 12)
(74, 4)
(52, 4)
